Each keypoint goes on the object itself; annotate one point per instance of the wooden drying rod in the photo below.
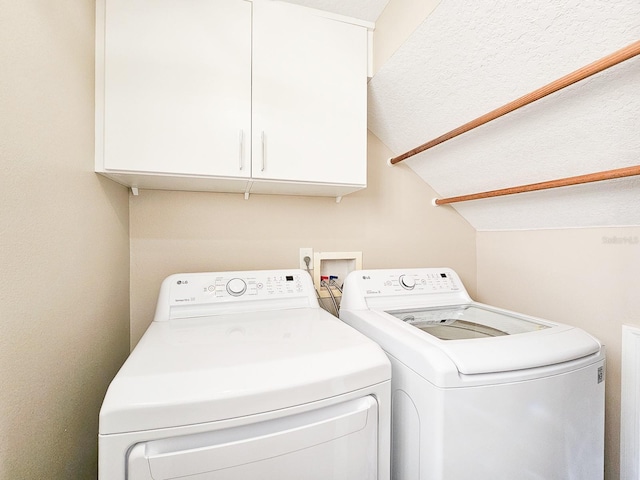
(562, 182)
(580, 74)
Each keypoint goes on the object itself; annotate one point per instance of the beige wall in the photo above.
(584, 277)
(391, 222)
(63, 246)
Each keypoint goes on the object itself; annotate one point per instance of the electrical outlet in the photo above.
(306, 252)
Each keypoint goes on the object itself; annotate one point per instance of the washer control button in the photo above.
(407, 282)
(236, 287)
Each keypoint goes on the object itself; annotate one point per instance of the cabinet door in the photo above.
(309, 96)
(177, 87)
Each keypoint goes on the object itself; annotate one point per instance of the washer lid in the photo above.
(208, 369)
(482, 339)
(463, 322)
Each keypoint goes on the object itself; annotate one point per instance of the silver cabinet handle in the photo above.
(264, 151)
(241, 149)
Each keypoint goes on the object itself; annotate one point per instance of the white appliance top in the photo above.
(426, 319)
(226, 345)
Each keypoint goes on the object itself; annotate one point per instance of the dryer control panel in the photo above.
(211, 293)
(194, 288)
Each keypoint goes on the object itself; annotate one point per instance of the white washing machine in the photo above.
(480, 393)
(242, 376)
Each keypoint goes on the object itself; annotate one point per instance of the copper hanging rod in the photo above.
(562, 182)
(609, 61)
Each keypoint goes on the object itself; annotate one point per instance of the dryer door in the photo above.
(333, 443)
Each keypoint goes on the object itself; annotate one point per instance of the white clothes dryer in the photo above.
(242, 376)
(478, 392)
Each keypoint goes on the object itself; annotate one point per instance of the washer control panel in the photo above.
(406, 282)
(378, 288)
(394, 283)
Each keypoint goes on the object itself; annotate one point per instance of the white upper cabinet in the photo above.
(230, 95)
(177, 87)
(309, 96)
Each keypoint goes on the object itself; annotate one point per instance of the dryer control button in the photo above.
(236, 287)
(407, 282)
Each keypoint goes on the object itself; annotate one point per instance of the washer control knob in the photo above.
(236, 287)
(407, 282)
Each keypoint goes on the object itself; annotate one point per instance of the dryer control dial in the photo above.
(406, 282)
(236, 287)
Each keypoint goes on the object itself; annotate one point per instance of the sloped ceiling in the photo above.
(368, 10)
(468, 58)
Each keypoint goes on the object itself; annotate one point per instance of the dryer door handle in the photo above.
(251, 443)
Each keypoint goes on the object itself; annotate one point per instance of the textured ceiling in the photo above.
(468, 58)
(368, 10)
